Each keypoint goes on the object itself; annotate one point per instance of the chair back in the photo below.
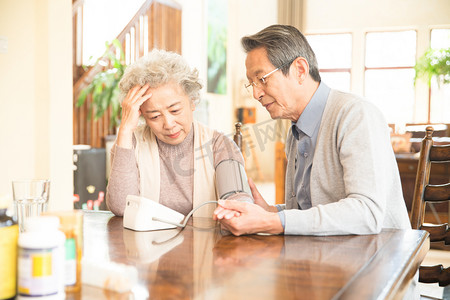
(424, 193)
(238, 135)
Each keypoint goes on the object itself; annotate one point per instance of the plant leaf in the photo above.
(104, 85)
(433, 63)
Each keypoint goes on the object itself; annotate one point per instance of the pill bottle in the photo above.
(41, 260)
(71, 224)
(9, 233)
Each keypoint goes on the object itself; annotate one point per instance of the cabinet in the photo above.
(89, 176)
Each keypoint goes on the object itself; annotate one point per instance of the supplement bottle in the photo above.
(41, 260)
(9, 232)
(71, 224)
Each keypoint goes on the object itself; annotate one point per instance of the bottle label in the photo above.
(39, 271)
(71, 262)
(8, 261)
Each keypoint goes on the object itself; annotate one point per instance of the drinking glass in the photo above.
(30, 199)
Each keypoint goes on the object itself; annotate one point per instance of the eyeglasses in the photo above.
(263, 80)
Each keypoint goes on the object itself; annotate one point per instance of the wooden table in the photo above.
(200, 263)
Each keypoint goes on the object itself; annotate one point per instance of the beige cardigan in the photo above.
(355, 183)
(147, 156)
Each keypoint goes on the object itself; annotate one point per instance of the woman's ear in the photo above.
(301, 69)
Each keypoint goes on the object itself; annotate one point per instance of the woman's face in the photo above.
(169, 113)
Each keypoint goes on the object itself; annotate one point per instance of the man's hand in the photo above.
(222, 213)
(252, 218)
(259, 200)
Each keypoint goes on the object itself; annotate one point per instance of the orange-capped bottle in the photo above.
(71, 224)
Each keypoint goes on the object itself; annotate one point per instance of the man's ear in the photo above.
(301, 68)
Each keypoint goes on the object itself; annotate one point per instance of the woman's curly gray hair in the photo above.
(160, 67)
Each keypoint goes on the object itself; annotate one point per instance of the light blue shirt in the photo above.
(306, 130)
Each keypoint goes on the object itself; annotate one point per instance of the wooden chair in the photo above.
(254, 159)
(426, 193)
(238, 135)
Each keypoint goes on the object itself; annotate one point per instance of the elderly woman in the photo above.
(171, 158)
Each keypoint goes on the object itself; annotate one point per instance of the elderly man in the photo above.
(342, 177)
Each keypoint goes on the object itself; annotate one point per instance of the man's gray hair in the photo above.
(283, 43)
(158, 68)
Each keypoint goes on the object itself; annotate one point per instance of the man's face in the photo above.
(277, 94)
(168, 113)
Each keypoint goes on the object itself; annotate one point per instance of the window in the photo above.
(217, 46)
(440, 95)
(334, 56)
(103, 20)
(389, 73)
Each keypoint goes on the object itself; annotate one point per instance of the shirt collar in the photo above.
(312, 114)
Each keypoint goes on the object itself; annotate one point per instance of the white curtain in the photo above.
(290, 12)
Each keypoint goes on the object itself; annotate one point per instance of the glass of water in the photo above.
(30, 199)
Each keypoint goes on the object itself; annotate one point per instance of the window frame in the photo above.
(365, 69)
(430, 87)
(337, 70)
(385, 68)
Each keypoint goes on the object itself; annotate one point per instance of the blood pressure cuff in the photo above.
(231, 179)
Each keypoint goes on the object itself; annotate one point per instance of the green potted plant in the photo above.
(104, 86)
(434, 63)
